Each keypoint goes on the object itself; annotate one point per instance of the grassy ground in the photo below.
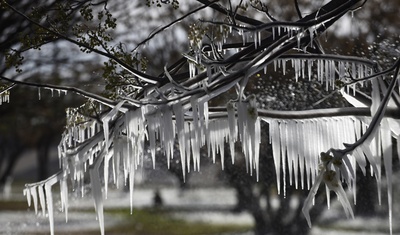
(144, 222)
(157, 222)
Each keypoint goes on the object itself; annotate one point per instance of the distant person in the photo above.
(157, 199)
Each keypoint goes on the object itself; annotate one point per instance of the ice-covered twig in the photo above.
(373, 126)
(98, 98)
(308, 203)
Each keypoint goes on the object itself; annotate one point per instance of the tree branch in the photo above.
(140, 75)
(172, 23)
(83, 93)
(219, 112)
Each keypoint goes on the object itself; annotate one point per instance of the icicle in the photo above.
(353, 71)
(274, 138)
(310, 198)
(319, 70)
(168, 133)
(327, 75)
(242, 118)
(27, 193)
(232, 129)
(243, 36)
(211, 141)
(341, 70)
(39, 93)
(300, 155)
(206, 115)
(290, 150)
(64, 197)
(284, 66)
(192, 69)
(298, 39)
(42, 199)
(308, 150)
(34, 197)
(255, 35)
(298, 69)
(220, 131)
(273, 34)
(180, 129)
(361, 71)
(152, 121)
(187, 144)
(106, 171)
(328, 197)
(96, 191)
(309, 71)
(257, 142)
(283, 135)
(254, 136)
(49, 200)
(132, 169)
(196, 129)
(387, 159)
(332, 74)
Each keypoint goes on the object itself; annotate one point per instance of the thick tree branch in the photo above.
(219, 112)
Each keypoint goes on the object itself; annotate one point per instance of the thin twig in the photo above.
(143, 76)
(172, 23)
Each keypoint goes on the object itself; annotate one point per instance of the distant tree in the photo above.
(27, 126)
(236, 44)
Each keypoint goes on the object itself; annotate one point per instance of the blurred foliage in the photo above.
(160, 3)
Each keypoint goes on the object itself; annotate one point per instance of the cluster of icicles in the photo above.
(296, 147)
(4, 97)
(123, 139)
(126, 137)
(299, 149)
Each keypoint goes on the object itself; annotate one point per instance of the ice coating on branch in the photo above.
(334, 184)
(308, 203)
(106, 119)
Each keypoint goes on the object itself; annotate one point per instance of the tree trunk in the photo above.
(43, 148)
